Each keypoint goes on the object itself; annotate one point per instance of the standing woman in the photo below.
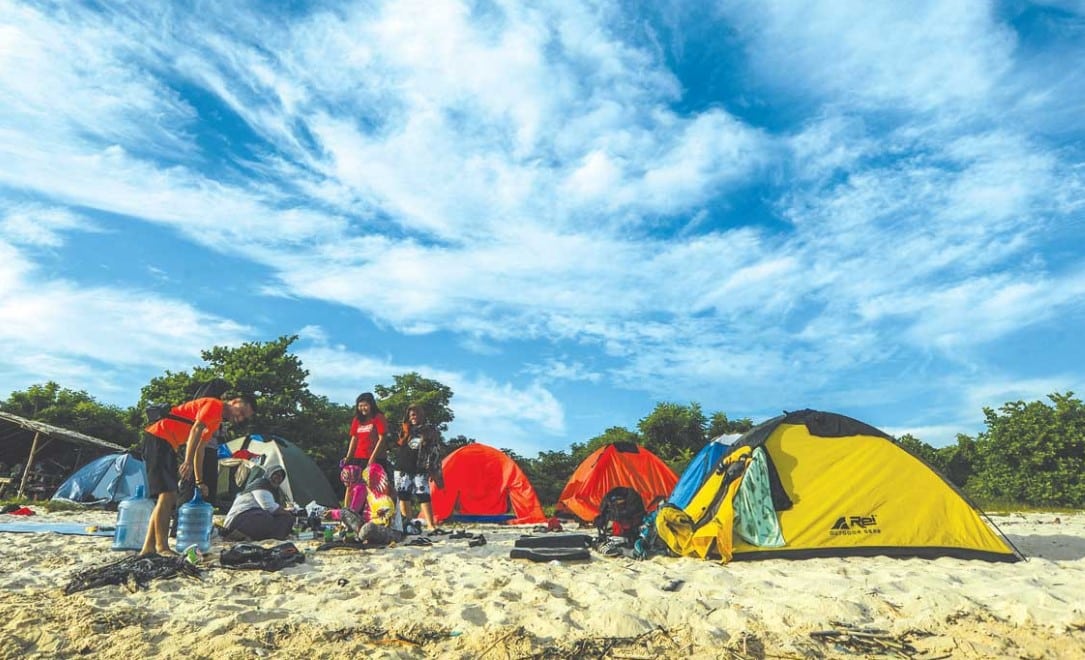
(418, 460)
(367, 431)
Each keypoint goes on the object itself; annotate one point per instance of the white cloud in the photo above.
(495, 413)
(919, 55)
(552, 370)
(964, 412)
(14, 268)
(937, 239)
(68, 75)
(523, 173)
(980, 310)
(33, 225)
(129, 327)
(91, 337)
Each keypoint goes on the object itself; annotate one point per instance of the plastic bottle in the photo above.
(192, 554)
(133, 516)
(194, 524)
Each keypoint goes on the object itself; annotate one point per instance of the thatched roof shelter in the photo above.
(17, 432)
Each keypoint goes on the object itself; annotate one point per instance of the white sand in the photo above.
(454, 601)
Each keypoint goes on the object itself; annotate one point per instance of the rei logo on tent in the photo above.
(846, 525)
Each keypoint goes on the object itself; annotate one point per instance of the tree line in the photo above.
(1030, 454)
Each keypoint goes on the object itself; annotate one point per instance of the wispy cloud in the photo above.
(98, 338)
(553, 370)
(38, 226)
(923, 56)
(495, 413)
(513, 172)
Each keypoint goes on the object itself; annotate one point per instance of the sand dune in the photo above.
(450, 600)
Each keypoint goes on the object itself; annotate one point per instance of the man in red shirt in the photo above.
(190, 424)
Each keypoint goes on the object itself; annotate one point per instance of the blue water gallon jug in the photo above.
(133, 517)
(194, 524)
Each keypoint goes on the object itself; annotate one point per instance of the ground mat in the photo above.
(555, 541)
(550, 554)
(81, 529)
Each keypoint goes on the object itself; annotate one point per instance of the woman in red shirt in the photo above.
(367, 431)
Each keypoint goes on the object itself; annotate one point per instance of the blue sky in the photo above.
(566, 211)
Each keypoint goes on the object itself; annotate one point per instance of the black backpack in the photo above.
(215, 387)
(158, 411)
(251, 556)
(621, 513)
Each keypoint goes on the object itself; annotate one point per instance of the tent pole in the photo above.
(29, 462)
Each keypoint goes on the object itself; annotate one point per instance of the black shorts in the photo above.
(161, 462)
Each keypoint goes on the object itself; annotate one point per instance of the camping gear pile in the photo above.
(134, 572)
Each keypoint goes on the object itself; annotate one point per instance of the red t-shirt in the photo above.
(367, 433)
(207, 410)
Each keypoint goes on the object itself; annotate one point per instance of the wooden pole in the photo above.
(29, 462)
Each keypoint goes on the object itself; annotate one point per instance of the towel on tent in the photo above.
(755, 516)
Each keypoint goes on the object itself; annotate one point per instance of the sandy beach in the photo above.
(455, 601)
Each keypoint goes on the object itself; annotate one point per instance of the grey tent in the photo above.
(304, 481)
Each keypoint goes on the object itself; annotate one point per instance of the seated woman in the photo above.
(257, 512)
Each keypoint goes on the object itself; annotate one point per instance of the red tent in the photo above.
(483, 481)
(617, 464)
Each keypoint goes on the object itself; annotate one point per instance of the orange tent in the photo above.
(483, 481)
(617, 464)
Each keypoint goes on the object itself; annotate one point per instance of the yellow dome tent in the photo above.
(819, 484)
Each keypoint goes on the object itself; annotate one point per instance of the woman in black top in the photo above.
(417, 461)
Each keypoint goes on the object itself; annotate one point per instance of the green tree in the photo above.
(957, 462)
(458, 441)
(954, 462)
(719, 425)
(264, 370)
(278, 381)
(548, 473)
(1032, 453)
(610, 436)
(68, 409)
(73, 410)
(674, 432)
(918, 448)
(276, 377)
(412, 388)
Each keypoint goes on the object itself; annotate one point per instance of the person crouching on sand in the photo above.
(257, 512)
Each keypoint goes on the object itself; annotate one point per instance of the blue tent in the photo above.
(699, 468)
(111, 478)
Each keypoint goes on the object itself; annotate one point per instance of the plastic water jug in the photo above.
(194, 524)
(133, 517)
